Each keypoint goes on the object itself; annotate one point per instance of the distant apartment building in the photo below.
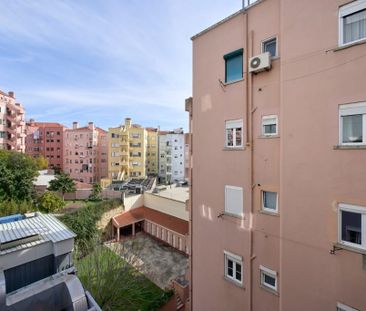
(37, 270)
(86, 153)
(171, 156)
(12, 123)
(186, 155)
(132, 151)
(45, 139)
(152, 152)
(278, 200)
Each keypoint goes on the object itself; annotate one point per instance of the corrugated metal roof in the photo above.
(47, 227)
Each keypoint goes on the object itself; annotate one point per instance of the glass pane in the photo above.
(270, 200)
(230, 137)
(230, 270)
(234, 68)
(352, 128)
(351, 227)
(238, 136)
(270, 46)
(270, 129)
(354, 26)
(238, 271)
(269, 280)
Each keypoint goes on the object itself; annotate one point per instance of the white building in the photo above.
(171, 156)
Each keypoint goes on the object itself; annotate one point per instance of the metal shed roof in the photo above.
(47, 227)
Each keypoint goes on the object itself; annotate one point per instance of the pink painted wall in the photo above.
(85, 155)
(49, 144)
(304, 88)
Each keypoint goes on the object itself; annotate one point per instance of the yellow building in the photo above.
(133, 151)
(152, 153)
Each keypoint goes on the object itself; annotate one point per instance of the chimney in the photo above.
(91, 126)
(128, 122)
(75, 125)
(11, 94)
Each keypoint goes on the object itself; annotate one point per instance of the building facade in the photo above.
(171, 156)
(86, 153)
(132, 151)
(152, 152)
(12, 123)
(45, 139)
(278, 201)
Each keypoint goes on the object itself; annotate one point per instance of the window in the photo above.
(268, 278)
(352, 225)
(269, 201)
(352, 22)
(352, 124)
(234, 66)
(234, 133)
(342, 307)
(233, 267)
(248, 2)
(269, 125)
(234, 200)
(270, 46)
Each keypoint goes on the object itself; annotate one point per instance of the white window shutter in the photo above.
(234, 200)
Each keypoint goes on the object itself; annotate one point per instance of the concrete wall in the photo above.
(166, 206)
(133, 201)
(83, 194)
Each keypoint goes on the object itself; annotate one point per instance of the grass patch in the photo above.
(116, 285)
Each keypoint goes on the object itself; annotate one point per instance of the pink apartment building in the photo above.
(12, 124)
(85, 153)
(278, 184)
(46, 139)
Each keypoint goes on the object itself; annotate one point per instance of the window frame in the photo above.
(269, 117)
(344, 11)
(266, 209)
(232, 55)
(227, 187)
(343, 307)
(236, 259)
(234, 124)
(271, 273)
(353, 209)
(351, 110)
(266, 41)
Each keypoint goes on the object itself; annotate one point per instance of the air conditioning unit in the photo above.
(260, 62)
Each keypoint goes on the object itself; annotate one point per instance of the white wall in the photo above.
(166, 206)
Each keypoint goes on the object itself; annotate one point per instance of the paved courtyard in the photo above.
(157, 261)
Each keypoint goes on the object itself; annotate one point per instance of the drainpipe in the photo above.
(249, 143)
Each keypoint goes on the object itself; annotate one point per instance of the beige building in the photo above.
(12, 123)
(278, 121)
(132, 151)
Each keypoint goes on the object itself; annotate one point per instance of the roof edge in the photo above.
(217, 24)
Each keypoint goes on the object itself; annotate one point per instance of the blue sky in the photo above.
(103, 60)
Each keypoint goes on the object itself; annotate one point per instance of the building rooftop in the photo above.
(43, 180)
(32, 230)
(172, 192)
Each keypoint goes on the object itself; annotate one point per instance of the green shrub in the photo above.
(50, 202)
(84, 223)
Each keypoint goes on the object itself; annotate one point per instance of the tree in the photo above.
(50, 202)
(109, 275)
(17, 174)
(62, 183)
(96, 192)
(41, 162)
